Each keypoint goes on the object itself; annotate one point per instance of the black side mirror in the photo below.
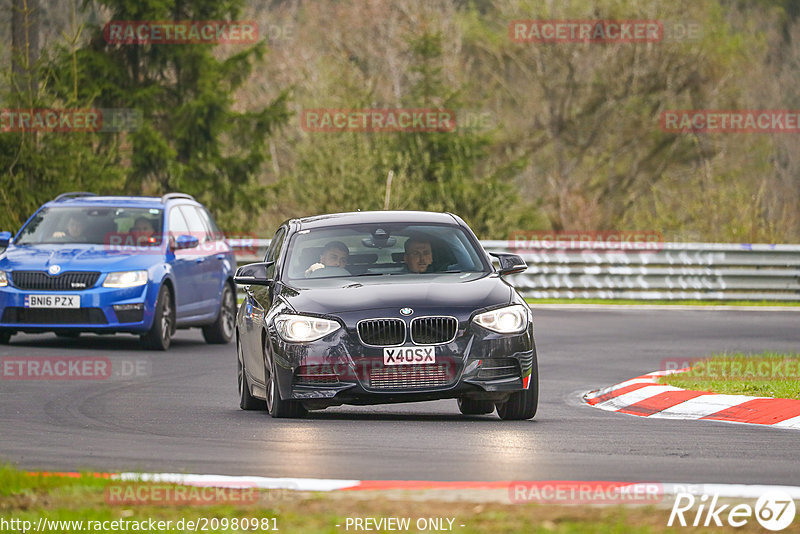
(509, 263)
(5, 239)
(254, 274)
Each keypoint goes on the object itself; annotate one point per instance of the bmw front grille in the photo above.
(382, 332)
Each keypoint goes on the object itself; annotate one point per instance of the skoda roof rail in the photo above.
(75, 194)
(170, 196)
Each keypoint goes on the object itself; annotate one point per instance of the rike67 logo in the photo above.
(774, 510)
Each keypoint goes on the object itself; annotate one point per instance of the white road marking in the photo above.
(702, 406)
(633, 397)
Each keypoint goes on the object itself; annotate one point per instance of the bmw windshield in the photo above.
(380, 249)
(90, 225)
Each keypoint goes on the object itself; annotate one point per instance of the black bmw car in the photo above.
(383, 307)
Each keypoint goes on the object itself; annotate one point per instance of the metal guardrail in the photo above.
(694, 271)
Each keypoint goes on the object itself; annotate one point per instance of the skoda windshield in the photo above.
(90, 225)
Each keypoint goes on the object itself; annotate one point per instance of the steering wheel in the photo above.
(327, 272)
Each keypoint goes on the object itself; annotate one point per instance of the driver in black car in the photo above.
(418, 254)
(334, 254)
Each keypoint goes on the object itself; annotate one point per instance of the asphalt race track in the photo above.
(182, 414)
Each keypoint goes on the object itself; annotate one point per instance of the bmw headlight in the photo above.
(509, 320)
(302, 328)
(3, 279)
(126, 279)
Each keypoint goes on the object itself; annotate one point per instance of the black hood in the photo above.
(446, 291)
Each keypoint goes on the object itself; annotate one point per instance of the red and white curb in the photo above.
(643, 396)
(299, 484)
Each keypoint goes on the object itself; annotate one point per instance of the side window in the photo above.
(274, 249)
(213, 229)
(177, 224)
(275, 245)
(196, 226)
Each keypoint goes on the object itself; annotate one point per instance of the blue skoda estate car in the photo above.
(106, 264)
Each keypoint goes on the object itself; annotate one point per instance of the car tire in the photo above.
(159, 336)
(220, 332)
(475, 407)
(5, 337)
(246, 400)
(522, 404)
(276, 406)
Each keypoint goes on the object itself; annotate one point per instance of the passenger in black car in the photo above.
(335, 254)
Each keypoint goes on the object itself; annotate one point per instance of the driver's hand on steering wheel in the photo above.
(314, 267)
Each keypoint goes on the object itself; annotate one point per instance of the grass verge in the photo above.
(769, 374)
(86, 498)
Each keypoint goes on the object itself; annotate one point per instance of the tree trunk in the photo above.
(25, 44)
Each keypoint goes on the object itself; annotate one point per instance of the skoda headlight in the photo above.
(509, 320)
(126, 279)
(3, 279)
(302, 329)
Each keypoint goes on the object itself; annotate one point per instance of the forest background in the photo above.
(557, 136)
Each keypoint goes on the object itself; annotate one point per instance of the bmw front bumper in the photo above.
(339, 369)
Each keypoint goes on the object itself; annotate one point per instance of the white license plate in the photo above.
(408, 355)
(52, 301)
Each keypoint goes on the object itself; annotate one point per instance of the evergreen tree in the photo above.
(192, 137)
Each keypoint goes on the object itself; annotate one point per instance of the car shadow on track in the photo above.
(119, 342)
(407, 417)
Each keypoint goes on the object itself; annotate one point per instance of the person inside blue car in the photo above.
(76, 228)
(143, 231)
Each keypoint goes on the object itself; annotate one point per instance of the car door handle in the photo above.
(220, 256)
(199, 260)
